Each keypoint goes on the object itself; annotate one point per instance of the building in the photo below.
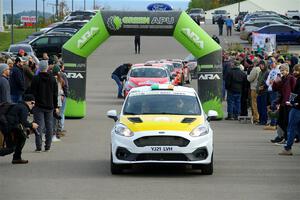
(279, 6)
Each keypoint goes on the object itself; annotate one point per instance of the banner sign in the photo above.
(28, 19)
(258, 39)
(159, 7)
(107, 23)
(143, 23)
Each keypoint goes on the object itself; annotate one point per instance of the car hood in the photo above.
(148, 81)
(138, 123)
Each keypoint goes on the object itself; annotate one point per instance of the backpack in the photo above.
(4, 109)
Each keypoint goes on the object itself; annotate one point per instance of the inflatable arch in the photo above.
(172, 23)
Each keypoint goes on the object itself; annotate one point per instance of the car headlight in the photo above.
(122, 130)
(199, 131)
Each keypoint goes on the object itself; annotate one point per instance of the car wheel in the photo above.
(206, 169)
(114, 168)
(249, 38)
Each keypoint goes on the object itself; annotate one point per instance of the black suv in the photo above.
(50, 43)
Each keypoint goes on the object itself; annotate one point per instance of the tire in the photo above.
(114, 168)
(206, 169)
(249, 38)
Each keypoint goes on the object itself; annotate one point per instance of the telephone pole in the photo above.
(1, 16)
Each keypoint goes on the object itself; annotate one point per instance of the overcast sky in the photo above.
(20, 5)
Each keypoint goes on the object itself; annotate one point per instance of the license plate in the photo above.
(162, 149)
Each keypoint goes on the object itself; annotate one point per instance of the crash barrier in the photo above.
(108, 23)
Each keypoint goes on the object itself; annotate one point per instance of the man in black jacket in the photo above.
(119, 75)
(17, 80)
(220, 23)
(14, 134)
(45, 90)
(233, 84)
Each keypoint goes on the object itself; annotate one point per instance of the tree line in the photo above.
(210, 4)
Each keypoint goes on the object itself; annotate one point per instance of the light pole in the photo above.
(36, 16)
(72, 5)
(44, 12)
(1, 16)
(84, 5)
(12, 21)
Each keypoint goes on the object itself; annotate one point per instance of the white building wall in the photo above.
(279, 6)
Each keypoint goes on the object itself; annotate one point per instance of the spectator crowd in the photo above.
(42, 87)
(269, 84)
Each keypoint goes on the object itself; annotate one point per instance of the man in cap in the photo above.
(4, 84)
(15, 133)
(44, 89)
(17, 80)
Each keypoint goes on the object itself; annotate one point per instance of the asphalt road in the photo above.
(247, 166)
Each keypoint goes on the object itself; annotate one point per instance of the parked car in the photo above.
(284, 34)
(293, 14)
(80, 15)
(249, 27)
(197, 14)
(66, 27)
(14, 49)
(218, 13)
(240, 16)
(50, 43)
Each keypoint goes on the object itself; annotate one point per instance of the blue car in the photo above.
(284, 33)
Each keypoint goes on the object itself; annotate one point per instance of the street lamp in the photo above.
(36, 16)
(12, 21)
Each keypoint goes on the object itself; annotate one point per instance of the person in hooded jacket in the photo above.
(44, 89)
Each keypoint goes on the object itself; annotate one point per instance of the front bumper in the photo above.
(197, 150)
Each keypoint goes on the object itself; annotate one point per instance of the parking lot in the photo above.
(246, 163)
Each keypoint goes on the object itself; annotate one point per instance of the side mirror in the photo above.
(112, 114)
(212, 115)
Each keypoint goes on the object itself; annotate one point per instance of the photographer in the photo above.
(15, 135)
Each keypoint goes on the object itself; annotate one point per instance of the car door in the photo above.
(54, 45)
(40, 46)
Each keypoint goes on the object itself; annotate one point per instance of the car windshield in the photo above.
(148, 72)
(15, 49)
(156, 104)
(220, 11)
(177, 65)
(170, 67)
(196, 11)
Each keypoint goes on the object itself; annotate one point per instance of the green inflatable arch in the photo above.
(107, 23)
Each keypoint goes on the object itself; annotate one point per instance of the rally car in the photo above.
(146, 74)
(162, 124)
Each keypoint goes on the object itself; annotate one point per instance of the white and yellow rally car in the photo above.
(162, 124)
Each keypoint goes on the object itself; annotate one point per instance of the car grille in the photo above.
(161, 157)
(161, 141)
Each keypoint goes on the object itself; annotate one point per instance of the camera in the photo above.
(56, 116)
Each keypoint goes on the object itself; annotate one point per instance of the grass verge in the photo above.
(19, 35)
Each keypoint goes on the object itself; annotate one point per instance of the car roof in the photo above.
(282, 25)
(148, 65)
(23, 45)
(175, 89)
